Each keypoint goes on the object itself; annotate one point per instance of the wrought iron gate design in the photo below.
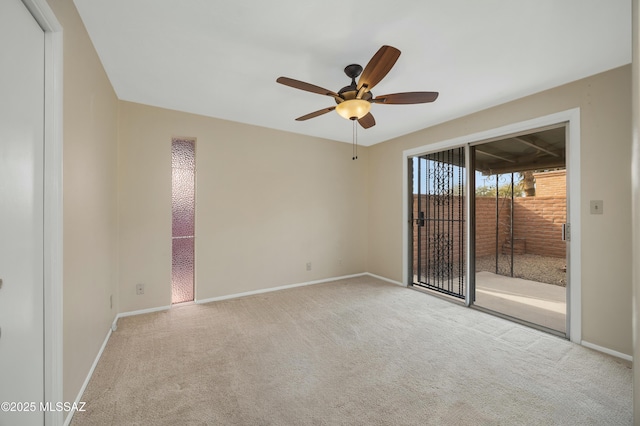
(438, 222)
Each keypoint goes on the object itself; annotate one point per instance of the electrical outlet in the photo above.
(139, 289)
(308, 266)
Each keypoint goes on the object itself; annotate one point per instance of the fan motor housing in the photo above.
(351, 91)
(353, 70)
(347, 93)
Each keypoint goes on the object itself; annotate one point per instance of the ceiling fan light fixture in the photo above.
(353, 109)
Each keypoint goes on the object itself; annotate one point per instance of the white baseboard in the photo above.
(86, 381)
(385, 279)
(141, 311)
(607, 351)
(270, 289)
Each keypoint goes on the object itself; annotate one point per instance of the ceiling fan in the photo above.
(354, 101)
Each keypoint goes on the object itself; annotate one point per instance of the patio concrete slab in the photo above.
(538, 303)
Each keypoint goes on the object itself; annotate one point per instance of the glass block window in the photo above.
(183, 205)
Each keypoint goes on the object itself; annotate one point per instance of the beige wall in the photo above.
(605, 147)
(90, 200)
(267, 202)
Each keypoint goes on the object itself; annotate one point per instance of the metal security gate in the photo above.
(438, 222)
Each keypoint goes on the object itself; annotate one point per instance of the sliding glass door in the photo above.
(488, 225)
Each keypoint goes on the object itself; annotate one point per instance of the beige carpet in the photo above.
(351, 352)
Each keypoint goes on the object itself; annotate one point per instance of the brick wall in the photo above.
(486, 224)
(539, 221)
(552, 183)
(537, 225)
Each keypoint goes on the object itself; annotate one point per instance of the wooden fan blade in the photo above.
(296, 84)
(315, 113)
(367, 121)
(378, 67)
(406, 98)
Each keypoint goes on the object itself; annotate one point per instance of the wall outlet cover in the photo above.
(596, 207)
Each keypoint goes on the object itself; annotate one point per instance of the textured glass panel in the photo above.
(183, 263)
(183, 203)
(183, 154)
(183, 219)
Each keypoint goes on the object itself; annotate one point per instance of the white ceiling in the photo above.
(221, 58)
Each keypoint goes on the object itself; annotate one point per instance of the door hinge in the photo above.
(566, 232)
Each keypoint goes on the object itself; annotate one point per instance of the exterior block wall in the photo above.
(486, 224)
(552, 183)
(538, 220)
(537, 223)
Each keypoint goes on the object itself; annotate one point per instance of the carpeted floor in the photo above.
(351, 352)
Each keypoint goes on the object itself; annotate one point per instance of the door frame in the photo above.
(571, 118)
(53, 206)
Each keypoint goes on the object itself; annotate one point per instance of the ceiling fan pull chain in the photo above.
(356, 130)
(354, 141)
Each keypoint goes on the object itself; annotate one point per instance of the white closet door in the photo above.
(21, 213)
